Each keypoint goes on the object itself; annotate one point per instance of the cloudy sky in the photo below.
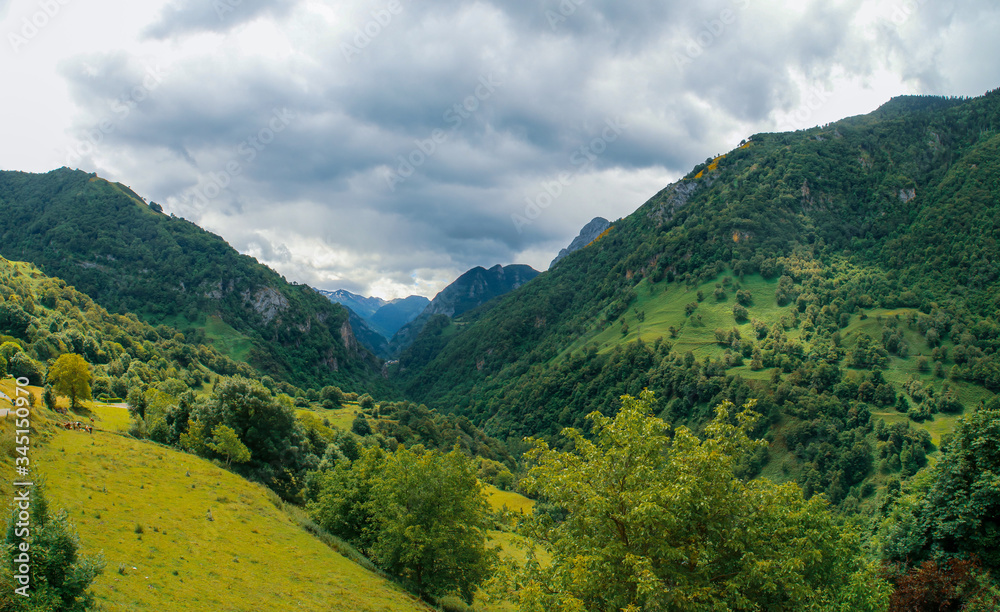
(386, 146)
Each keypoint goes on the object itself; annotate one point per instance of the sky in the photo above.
(387, 146)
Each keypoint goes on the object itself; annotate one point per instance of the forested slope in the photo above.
(104, 239)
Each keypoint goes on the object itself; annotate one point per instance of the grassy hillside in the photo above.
(105, 240)
(179, 533)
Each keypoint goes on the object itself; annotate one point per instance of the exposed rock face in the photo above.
(588, 234)
(347, 335)
(268, 303)
(672, 199)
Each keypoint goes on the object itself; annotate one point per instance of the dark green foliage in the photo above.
(838, 214)
(411, 424)
(104, 240)
(361, 426)
(60, 575)
(420, 515)
(956, 513)
(280, 454)
(331, 397)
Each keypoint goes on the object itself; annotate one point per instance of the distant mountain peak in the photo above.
(590, 232)
(469, 291)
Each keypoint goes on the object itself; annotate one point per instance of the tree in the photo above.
(340, 500)
(49, 397)
(70, 376)
(954, 512)
(366, 402)
(360, 426)
(331, 397)
(136, 401)
(656, 521)
(23, 366)
(419, 514)
(226, 443)
(433, 522)
(60, 575)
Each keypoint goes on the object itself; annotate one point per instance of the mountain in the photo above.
(364, 306)
(42, 318)
(391, 317)
(590, 232)
(370, 338)
(375, 320)
(478, 286)
(105, 240)
(836, 274)
(471, 290)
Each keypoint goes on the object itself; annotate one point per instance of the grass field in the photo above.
(341, 418)
(224, 337)
(513, 502)
(147, 508)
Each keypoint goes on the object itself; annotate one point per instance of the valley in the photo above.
(799, 337)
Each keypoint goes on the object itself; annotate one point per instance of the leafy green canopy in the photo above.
(419, 514)
(953, 510)
(70, 376)
(60, 575)
(657, 520)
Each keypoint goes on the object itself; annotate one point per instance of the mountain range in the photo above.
(383, 317)
(843, 282)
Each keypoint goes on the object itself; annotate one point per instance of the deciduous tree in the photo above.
(70, 376)
(658, 520)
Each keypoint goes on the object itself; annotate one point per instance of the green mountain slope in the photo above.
(42, 318)
(103, 238)
(836, 273)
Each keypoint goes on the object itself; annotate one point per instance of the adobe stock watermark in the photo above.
(567, 8)
(455, 116)
(711, 32)
(21, 528)
(901, 13)
(366, 34)
(815, 99)
(580, 160)
(122, 108)
(211, 185)
(32, 26)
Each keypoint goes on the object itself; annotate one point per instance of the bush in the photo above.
(360, 426)
(60, 575)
